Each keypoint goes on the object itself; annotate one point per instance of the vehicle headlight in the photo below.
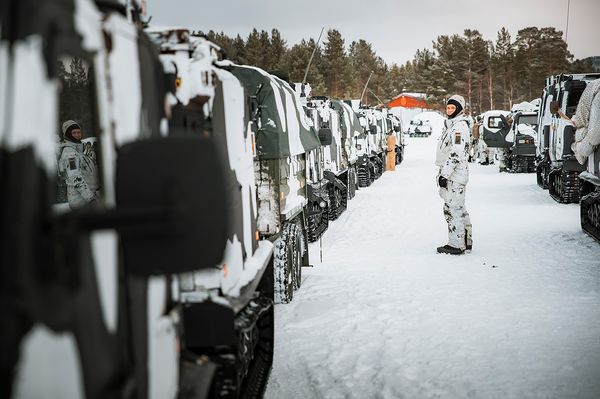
(322, 204)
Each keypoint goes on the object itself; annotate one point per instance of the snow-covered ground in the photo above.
(384, 316)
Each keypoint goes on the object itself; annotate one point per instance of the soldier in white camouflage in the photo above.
(79, 170)
(452, 159)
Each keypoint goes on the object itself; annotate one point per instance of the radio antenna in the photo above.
(312, 55)
(365, 89)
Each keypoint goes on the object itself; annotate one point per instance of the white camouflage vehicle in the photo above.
(88, 308)
(237, 294)
(339, 177)
(419, 128)
(395, 126)
(558, 169)
(372, 148)
(522, 134)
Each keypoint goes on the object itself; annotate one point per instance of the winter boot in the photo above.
(447, 249)
(469, 237)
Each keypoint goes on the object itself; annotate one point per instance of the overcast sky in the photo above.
(395, 28)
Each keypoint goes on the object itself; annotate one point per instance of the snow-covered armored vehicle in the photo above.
(562, 167)
(210, 101)
(419, 128)
(352, 131)
(291, 210)
(364, 166)
(86, 294)
(395, 125)
(372, 152)
(335, 171)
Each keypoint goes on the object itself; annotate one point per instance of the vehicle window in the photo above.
(494, 122)
(528, 119)
(77, 150)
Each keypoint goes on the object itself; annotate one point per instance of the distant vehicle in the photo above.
(395, 126)
(419, 128)
(495, 129)
(522, 133)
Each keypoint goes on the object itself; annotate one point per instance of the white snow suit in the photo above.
(452, 159)
(81, 174)
(587, 120)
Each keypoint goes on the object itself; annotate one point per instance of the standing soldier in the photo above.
(452, 159)
(79, 169)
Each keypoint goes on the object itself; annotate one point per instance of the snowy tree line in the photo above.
(490, 74)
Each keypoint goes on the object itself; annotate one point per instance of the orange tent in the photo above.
(407, 102)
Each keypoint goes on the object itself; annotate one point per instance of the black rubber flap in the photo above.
(178, 183)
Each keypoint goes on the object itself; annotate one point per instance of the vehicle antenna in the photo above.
(378, 99)
(365, 89)
(567, 28)
(312, 55)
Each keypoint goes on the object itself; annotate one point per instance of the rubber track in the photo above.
(364, 176)
(564, 187)
(521, 164)
(317, 224)
(542, 174)
(590, 214)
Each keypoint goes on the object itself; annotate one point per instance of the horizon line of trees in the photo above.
(489, 74)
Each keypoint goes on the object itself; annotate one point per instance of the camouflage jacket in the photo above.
(80, 172)
(452, 150)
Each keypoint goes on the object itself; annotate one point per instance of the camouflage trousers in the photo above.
(457, 217)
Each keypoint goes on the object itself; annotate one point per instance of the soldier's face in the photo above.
(450, 108)
(76, 133)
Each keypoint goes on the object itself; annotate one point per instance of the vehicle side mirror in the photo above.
(325, 136)
(171, 205)
(554, 107)
(373, 129)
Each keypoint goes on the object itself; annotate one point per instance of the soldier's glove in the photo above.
(442, 182)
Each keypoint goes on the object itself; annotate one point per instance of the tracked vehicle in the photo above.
(334, 123)
(589, 147)
(352, 131)
(395, 125)
(419, 128)
(542, 167)
(522, 134)
(371, 161)
(89, 284)
(564, 170)
(210, 101)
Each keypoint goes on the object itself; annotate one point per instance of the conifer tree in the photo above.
(253, 49)
(503, 57)
(335, 64)
(277, 50)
